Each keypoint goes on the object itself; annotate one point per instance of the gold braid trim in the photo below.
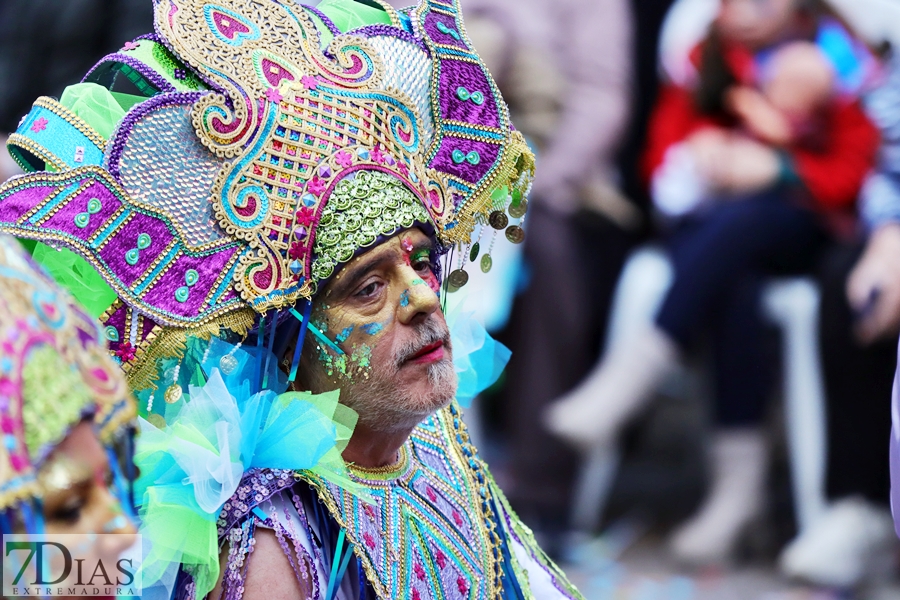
(517, 159)
(171, 342)
(526, 537)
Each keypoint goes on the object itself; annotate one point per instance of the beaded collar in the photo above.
(432, 529)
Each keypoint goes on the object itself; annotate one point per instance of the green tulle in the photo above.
(349, 14)
(96, 105)
(74, 273)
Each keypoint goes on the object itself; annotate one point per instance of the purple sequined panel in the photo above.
(12, 207)
(257, 486)
(117, 320)
(444, 159)
(67, 218)
(126, 239)
(466, 79)
(441, 27)
(209, 268)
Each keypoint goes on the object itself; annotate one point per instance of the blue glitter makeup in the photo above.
(374, 328)
(342, 336)
(404, 298)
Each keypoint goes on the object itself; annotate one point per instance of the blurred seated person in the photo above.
(755, 169)
(64, 406)
(565, 69)
(859, 323)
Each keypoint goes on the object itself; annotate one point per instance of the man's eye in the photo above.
(369, 291)
(422, 266)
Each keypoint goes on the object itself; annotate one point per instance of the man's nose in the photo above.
(416, 297)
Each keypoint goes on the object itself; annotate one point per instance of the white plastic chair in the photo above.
(793, 305)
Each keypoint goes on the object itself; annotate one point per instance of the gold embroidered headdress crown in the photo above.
(261, 159)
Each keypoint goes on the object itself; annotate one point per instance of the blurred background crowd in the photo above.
(705, 313)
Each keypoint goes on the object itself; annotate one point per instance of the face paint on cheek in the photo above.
(432, 283)
(362, 356)
(343, 335)
(375, 328)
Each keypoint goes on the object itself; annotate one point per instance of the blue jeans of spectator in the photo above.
(721, 257)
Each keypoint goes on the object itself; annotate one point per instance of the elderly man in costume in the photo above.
(266, 204)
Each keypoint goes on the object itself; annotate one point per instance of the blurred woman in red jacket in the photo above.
(753, 164)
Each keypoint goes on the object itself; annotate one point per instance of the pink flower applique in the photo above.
(343, 158)
(274, 96)
(295, 251)
(309, 82)
(39, 125)
(19, 462)
(126, 352)
(316, 186)
(8, 424)
(130, 46)
(378, 155)
(305, 216)
(401, 166)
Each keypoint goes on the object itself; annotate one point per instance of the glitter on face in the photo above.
(343, 335)
(374, 328)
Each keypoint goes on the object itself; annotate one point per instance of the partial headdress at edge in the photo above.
(203, 199)
(54, 373)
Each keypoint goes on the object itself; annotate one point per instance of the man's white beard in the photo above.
(383, 405)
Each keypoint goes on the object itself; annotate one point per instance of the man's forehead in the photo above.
(405, 241)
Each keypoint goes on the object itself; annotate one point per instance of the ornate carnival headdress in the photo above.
(260, 159)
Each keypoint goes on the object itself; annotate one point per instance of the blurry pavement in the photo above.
(625, 564)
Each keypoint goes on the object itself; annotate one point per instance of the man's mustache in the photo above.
(429, 332)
